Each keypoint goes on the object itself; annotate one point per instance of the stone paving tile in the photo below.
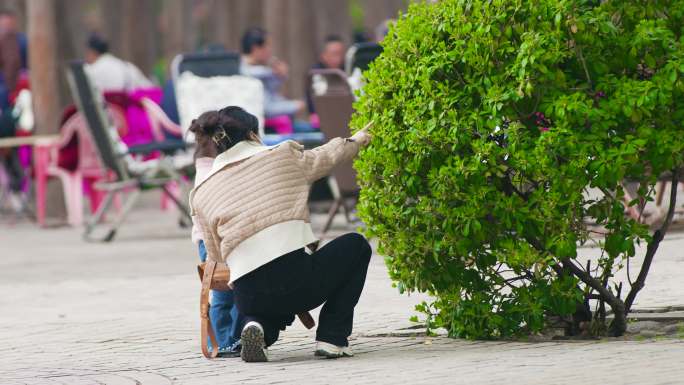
(126, 313)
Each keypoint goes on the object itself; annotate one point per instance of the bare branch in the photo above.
(653, 245)
(580, 56)
(619, 324)
(607, 193)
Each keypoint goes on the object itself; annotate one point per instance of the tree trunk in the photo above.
(131, 30)
(44, 66)
(70, 42)
(17, 6)
(377, 11)
(230, 18)
(331, 17)
(302, 44)
(177, 29)
(110, 15)
(43, 61)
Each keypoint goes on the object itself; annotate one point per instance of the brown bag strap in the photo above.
(307, 319)
(207, 329)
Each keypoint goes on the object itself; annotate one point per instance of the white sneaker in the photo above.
(253, 344)
(324, 349)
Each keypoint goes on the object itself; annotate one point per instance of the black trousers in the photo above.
(298, 282)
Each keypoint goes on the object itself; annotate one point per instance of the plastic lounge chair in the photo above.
(360, 55)
(216, 67)
(160, 123)
(128, 173)
(201, 65)
(87, 168)
(196, 95)
(334, 107)
(206, 64)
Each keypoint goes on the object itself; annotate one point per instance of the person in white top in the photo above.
(109, 73)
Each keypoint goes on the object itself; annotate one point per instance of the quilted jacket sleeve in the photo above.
(318, 162)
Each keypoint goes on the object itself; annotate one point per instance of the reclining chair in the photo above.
(128, 174)
(360, 55)
(240, 90)
(334, 106)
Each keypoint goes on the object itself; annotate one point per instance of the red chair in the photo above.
(73, 159)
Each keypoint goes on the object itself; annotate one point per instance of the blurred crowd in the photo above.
(123, 84)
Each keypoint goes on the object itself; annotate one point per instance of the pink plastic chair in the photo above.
(88, 169)
(158, 120)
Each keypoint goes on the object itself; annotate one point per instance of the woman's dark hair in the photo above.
(98, 44)
(222, 129)
(253, 37)
(332, 38)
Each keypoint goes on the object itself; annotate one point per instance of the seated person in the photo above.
(252, 210)
(259, 62)
(109, 73)
(331, 56)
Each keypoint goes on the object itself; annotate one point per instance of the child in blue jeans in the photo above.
(225, 318)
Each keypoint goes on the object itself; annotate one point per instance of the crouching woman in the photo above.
(252, 210)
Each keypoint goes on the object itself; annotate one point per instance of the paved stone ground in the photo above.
(126, 313)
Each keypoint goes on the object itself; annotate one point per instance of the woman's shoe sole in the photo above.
(327, 354)
(253, 346)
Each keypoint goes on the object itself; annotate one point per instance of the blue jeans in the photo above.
(225, 318)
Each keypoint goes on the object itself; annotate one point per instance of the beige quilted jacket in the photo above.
(252, 208)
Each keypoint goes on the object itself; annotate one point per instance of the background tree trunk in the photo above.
(377, 11)
(176, 28)
(43, 61)
(45, 87)
(331, 17)
(70, 42)
(131, 28)
(17, 6)
(302, 42)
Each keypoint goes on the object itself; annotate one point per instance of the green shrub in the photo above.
(492, 120)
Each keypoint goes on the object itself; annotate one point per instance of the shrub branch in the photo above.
(653, 245)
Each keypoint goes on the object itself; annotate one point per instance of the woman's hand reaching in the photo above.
(362, 136)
